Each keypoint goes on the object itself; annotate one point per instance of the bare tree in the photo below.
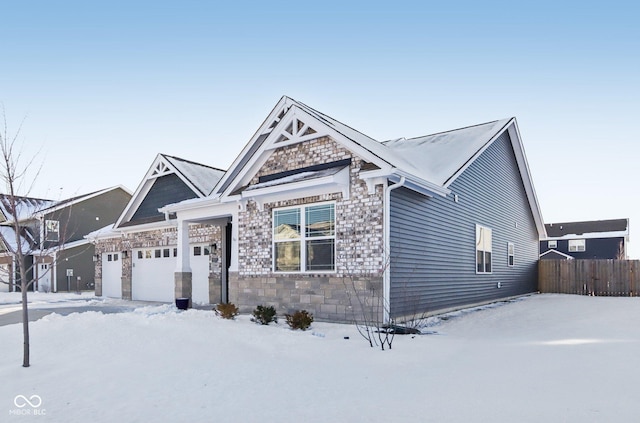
(14, 171)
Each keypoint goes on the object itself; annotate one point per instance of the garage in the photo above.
(111, 275)
(153, 274)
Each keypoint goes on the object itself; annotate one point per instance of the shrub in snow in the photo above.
(226, 311)
(264, 315)
(300, 319)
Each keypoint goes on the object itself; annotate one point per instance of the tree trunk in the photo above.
(25, 326)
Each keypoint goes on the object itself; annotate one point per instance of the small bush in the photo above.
(300, 319)
(264, 315)
(226, 311)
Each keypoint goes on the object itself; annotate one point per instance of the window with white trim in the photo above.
(577, 245)
(483, 249)
(304, 238)
(552, 244)
(511, 254)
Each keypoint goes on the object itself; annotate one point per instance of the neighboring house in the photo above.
(315, 215)
(136, 256)
(597, 239)
(53, 237)
(26, 209)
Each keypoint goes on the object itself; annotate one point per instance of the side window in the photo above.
(484, 249)
(511, 254)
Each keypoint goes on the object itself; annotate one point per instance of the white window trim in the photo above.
(579, 245)
(303, 238)
(483, 250)
(511, 246)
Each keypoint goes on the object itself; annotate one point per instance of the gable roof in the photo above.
(555, 255)
(26, 207)
(199, 179)
(427, 164)
(611, 228)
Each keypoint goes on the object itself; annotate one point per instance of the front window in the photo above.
(483, 249)
(304, 238)
(577, 245)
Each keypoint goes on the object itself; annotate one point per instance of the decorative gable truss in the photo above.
(289, 127)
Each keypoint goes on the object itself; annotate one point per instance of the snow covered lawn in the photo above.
(543, 358)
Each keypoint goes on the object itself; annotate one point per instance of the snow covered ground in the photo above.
(543, 358)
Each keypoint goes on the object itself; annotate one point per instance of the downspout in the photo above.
(386, 277)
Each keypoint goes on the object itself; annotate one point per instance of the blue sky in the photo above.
(106, 86)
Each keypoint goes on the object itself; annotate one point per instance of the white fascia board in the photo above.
(262, 129)
(191, 204)
(208, 214)
(162, 224)
(552, 251)
(589, 235)
(523, 166)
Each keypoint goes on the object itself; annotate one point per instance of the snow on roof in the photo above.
(203, 177)
(437, 157)
(8, 234)
(26, 207)
(434, 158)
(104, 232)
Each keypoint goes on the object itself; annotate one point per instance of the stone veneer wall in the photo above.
(359, 245)
(159, 238)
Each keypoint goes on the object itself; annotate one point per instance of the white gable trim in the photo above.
(566, 256)
(523, 166)
(161, 166)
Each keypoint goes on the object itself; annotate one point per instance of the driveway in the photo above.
(12, 313)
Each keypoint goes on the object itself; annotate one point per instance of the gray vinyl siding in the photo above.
(433, 255)
(165, 190)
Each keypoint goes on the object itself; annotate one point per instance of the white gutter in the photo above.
(386, 282)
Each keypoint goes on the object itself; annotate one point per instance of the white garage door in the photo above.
(152, 277)
(4, 278)
(199, 262)
(111, 275)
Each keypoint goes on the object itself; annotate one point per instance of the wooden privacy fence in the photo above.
(614, 278)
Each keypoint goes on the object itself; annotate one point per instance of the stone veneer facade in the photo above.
(165, 237)
(355, 287)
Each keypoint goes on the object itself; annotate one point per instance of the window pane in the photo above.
(286, 224)
(158, 253)
(139, 254)
(321, 254)
(510, 260)
(480, 261)
(197, 251)
(320, 220)
(115, 257)
(287, 256)
(487, 262)
(166, 252)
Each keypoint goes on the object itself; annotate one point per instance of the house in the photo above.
(597, 239)
(136, 256)
(315, 215)
(52, 236)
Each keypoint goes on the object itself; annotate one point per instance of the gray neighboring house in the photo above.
(52, 235)
(315, 215)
